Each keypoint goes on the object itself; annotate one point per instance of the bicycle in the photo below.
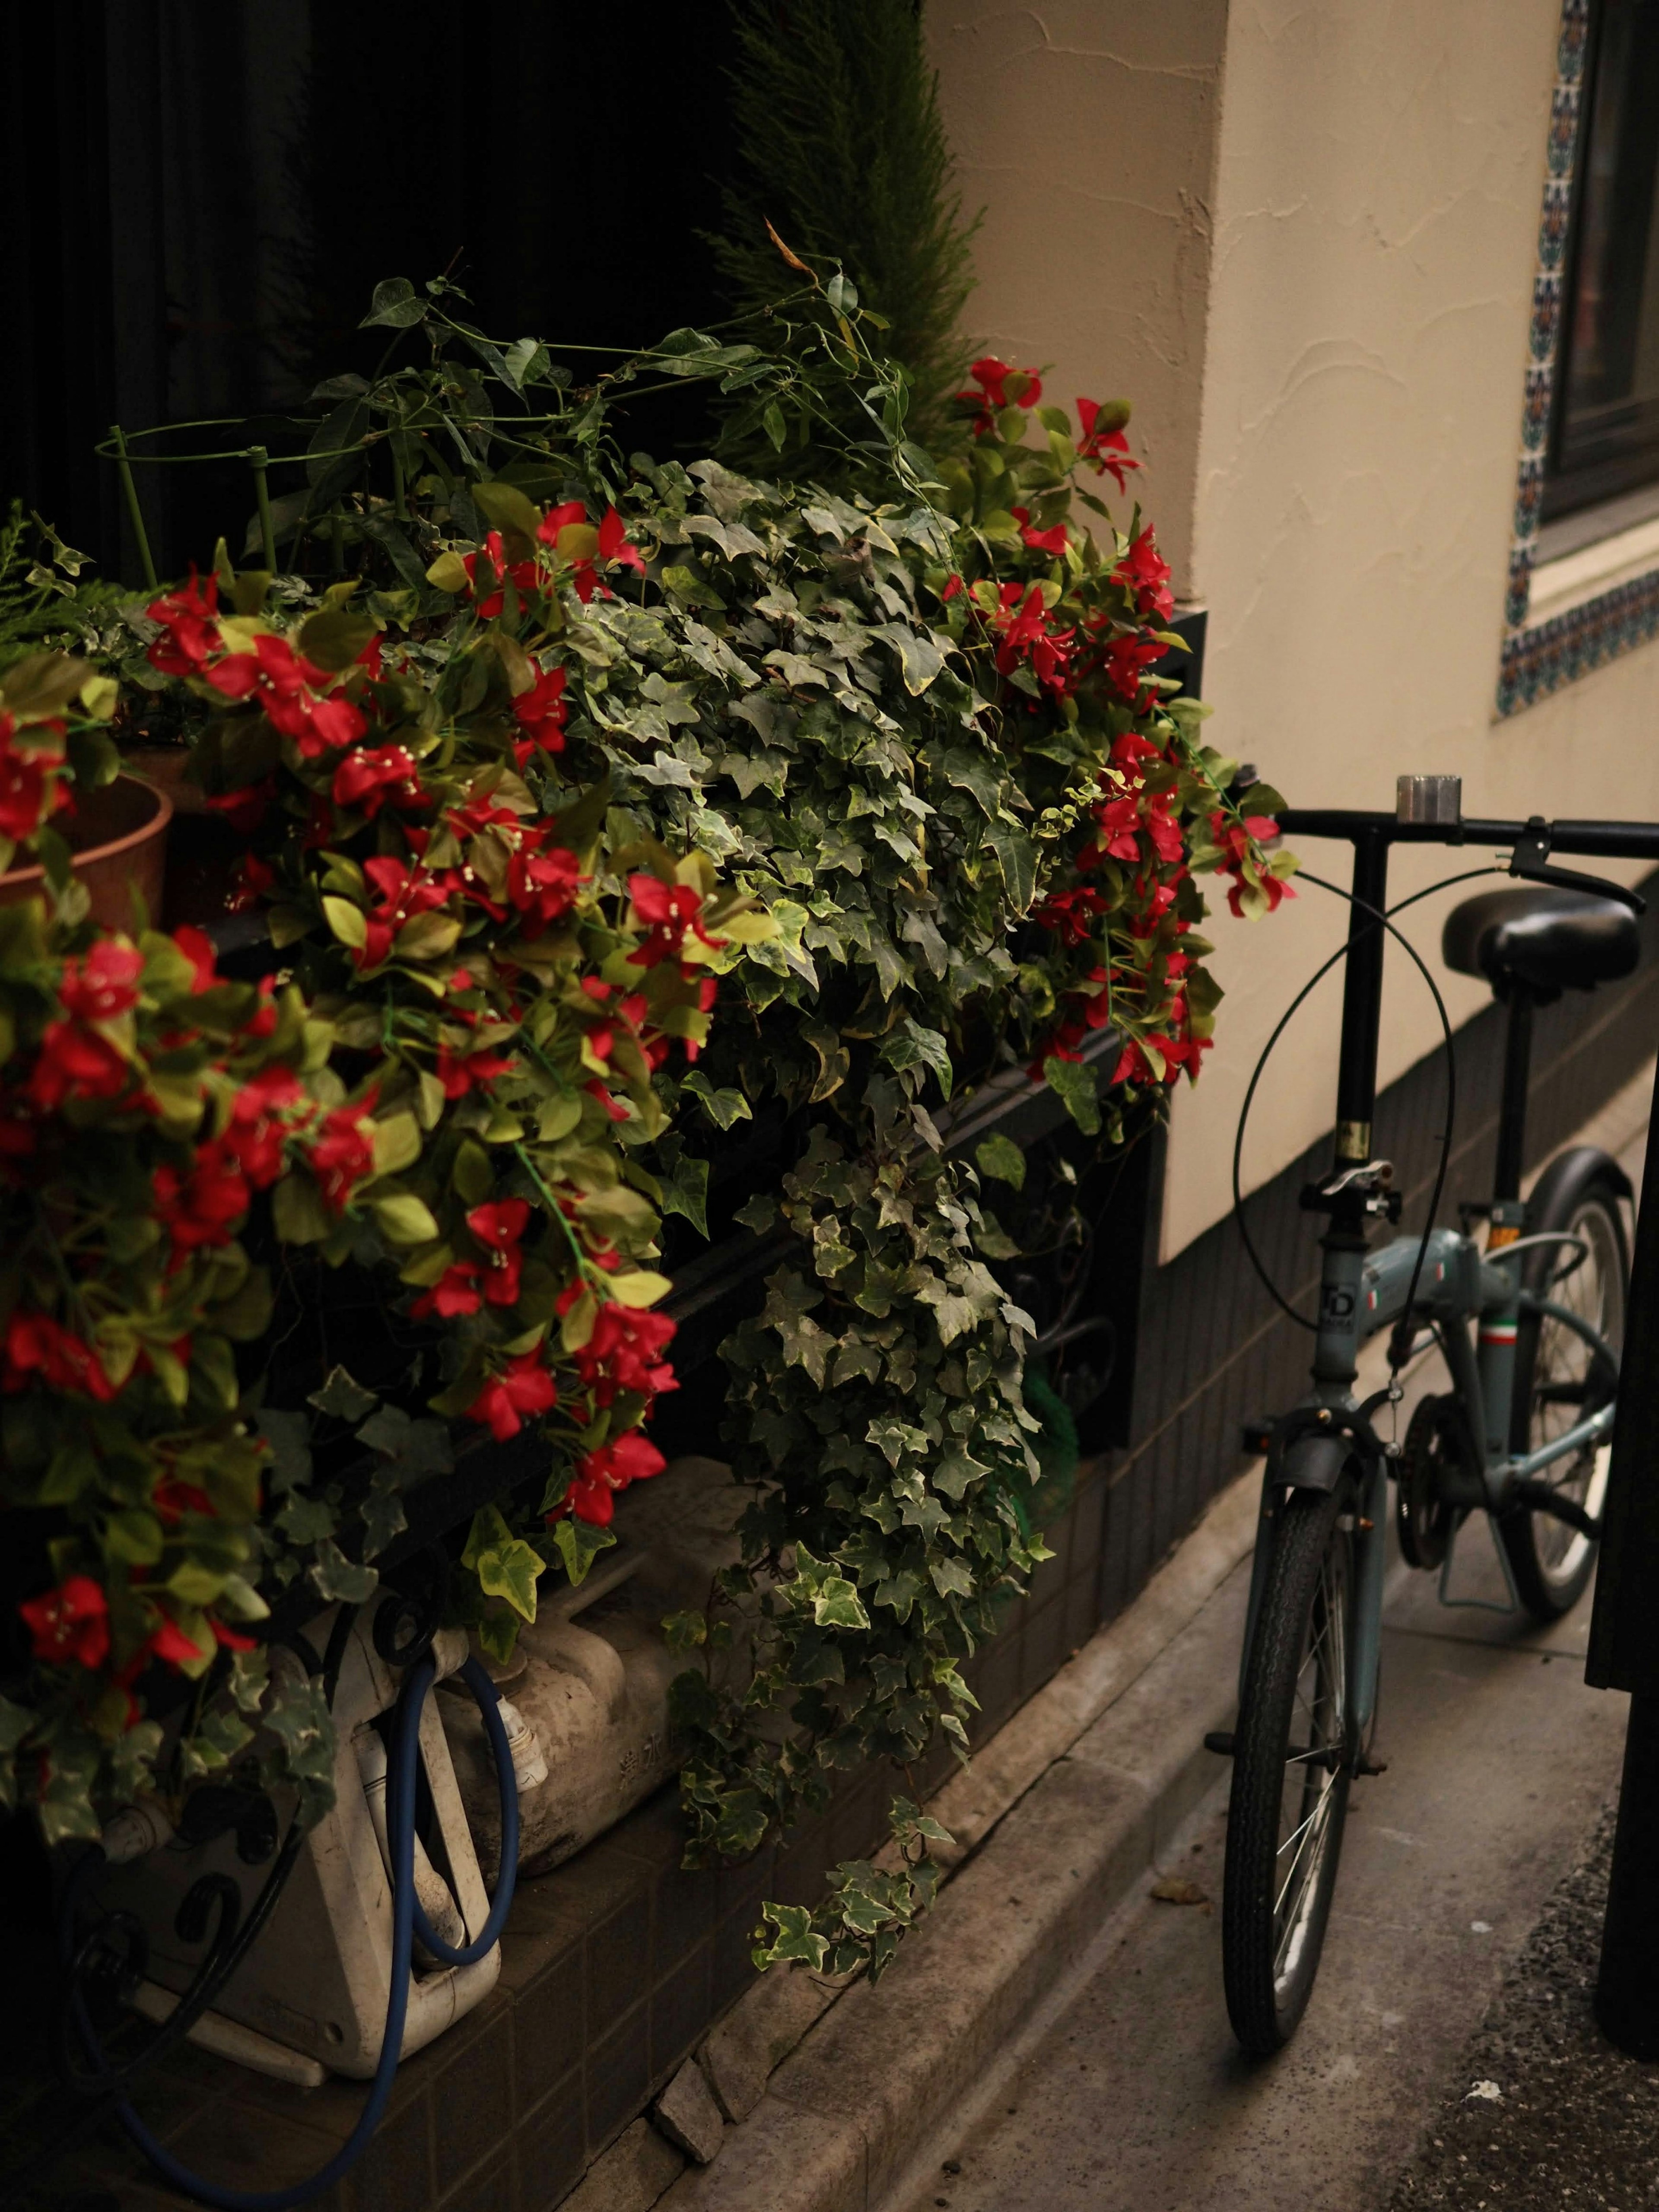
(1521, 1433)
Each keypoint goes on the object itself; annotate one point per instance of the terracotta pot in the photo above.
(118, 837)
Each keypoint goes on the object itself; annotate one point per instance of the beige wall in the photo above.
(1087, 132)
(1373, 212)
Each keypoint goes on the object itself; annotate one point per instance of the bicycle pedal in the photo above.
(1221, 1742)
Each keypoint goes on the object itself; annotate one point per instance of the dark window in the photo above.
(1604, 437)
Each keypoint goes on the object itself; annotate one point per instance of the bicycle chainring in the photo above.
(1434, 1454)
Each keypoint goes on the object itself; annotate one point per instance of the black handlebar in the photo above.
(1608, 841)
(1531, 845)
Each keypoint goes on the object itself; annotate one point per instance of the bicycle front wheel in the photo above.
(1293, 1762)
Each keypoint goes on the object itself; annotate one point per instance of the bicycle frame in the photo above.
(1472, 1300)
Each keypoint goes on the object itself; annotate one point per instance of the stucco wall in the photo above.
(1315, 266)
(1377, 209)
(1087, 132)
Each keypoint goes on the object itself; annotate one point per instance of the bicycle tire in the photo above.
(1552, 1564)
(1273, 1923)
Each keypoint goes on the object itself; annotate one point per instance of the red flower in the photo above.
(1122, 819)
(24, 799)
(540, 714)
(246, 809)
(199, 1207)
(170, 1644)
(498, 1225)
(592, 1495)
(455, 1291)
(105, 984)
(523, 1385)
(69, 1623)
(372, 775)
(571, 514)
(671, 909)
(37, 1345)
(543, 885)
(1107, 452)
(197, 948)
(1072, 913)
(254, 881)
(1025, 635)
(614, 545)
(291, 690)
(1124, 659)
(255, 1138)
(622, 1352)
(190, 618)
(496, 571)
(992, 377)
(459, 1071)
(1234, 839)
(404, 892)
(1055, 541)
(75, 1063)
(1146, 573)
(343, 1155)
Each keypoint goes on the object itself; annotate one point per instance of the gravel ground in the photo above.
(1574, 2123)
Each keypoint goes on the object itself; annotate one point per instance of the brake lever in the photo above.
(1531, 860)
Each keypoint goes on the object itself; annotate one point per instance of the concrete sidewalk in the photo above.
(1054, 2036)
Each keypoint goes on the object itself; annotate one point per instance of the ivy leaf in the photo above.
(287, 1434)
(1017, 857)
(838, 1605)
(795, 1941)
(723, 1108)
(342, 1396)
(914, 1046)
(685, 1190)
(414, 1448)
(579, 1544)
(510, 1571)
(1074, 1084)
(1001, 1156)
(337, 1579)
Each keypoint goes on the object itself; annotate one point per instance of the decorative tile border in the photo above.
(1539, 658)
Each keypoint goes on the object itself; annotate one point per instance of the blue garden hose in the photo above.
(407, 1919)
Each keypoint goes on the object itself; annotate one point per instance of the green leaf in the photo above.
(580, 1543)
(1001, 1158)
(510, 1571)
(685, 1191)
(337, 1579)
(396, 305)
(795, 1941)
(348, 922)
(1074, 1084)
(723, 1108)
(403, 1218)
(838, 1605)
(342, 1396)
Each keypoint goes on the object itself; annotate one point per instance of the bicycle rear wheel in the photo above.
(1554, 1388)
(1293, 1762)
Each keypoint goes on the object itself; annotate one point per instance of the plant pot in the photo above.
(118, 836)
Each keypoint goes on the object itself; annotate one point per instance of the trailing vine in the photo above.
(905, 704)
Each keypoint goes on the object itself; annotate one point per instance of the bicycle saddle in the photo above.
(1549, 940)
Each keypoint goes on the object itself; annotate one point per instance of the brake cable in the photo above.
(1467, 875)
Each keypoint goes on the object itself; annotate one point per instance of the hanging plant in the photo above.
(907, 707)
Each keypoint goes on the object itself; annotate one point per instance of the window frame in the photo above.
(1575, 488)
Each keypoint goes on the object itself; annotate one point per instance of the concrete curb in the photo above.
(1058, 1818)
